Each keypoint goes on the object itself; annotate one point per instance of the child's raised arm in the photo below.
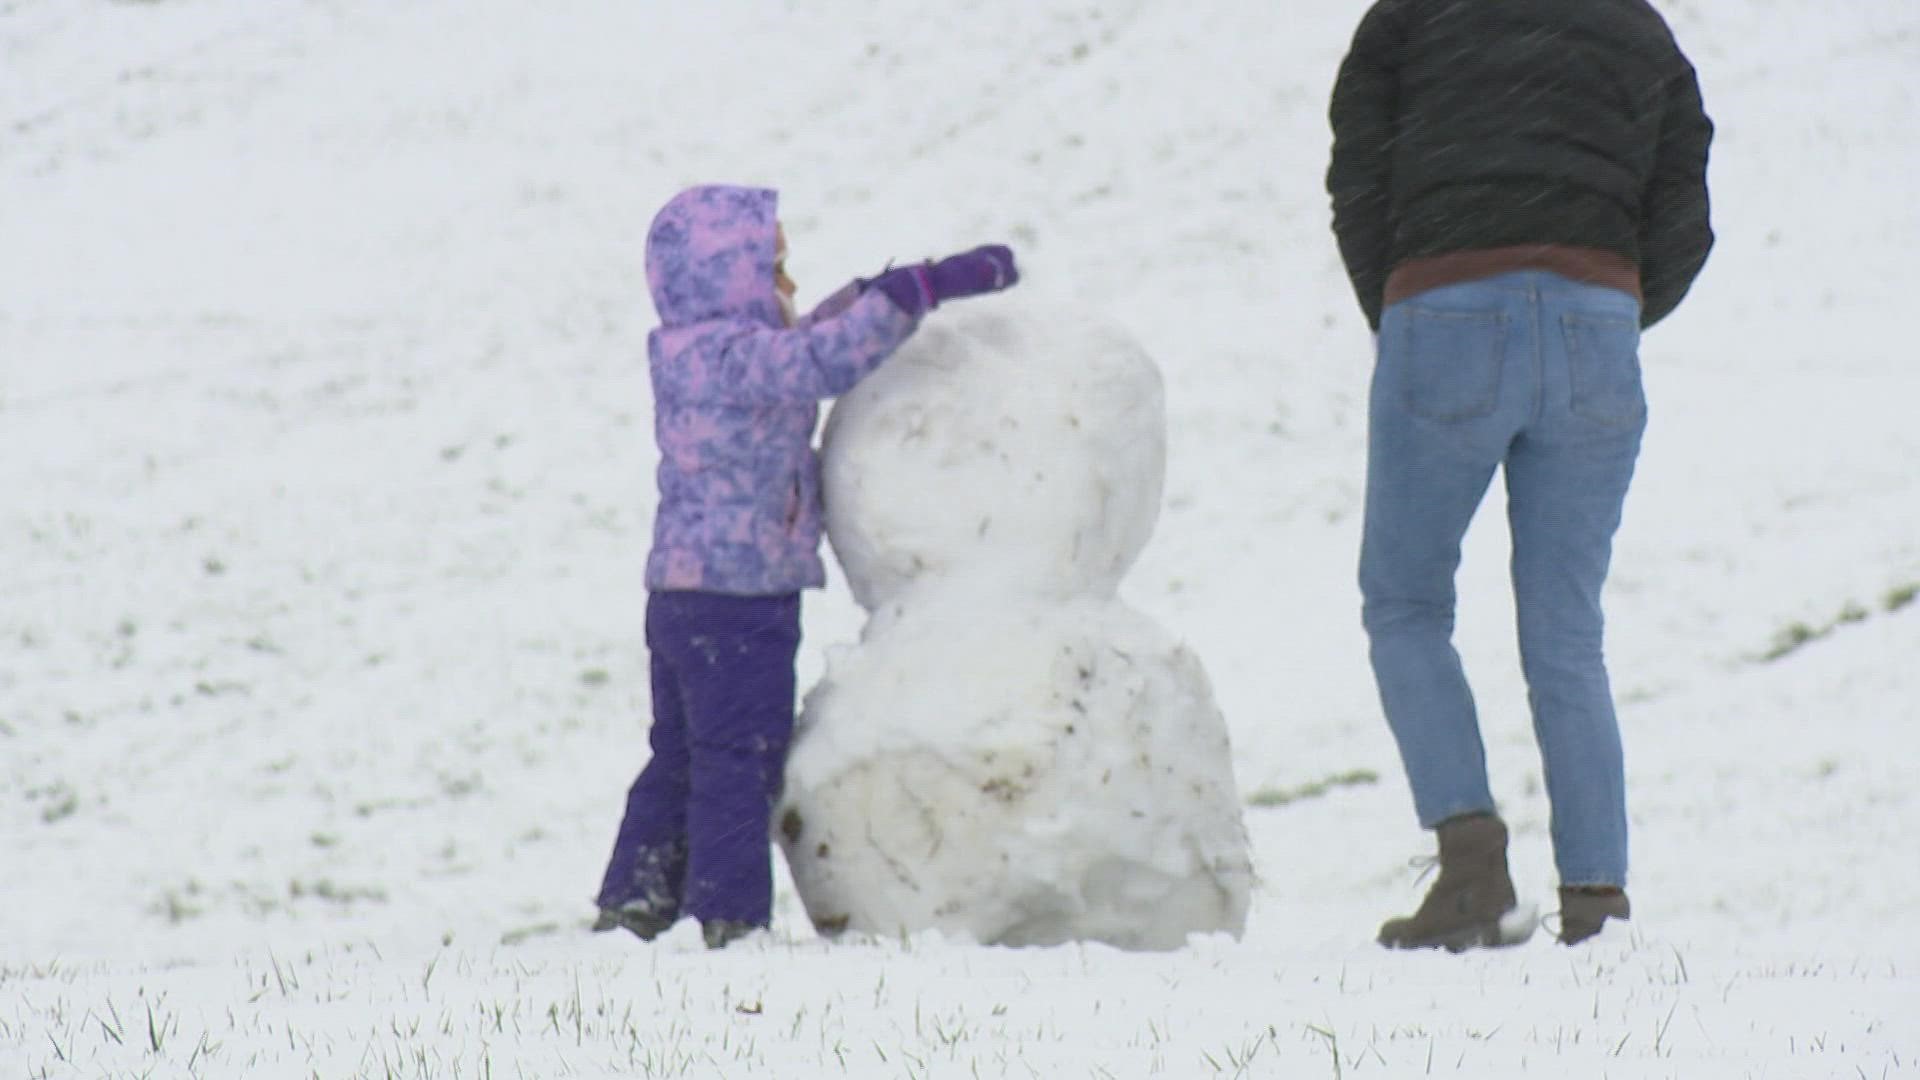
(825, 354)
(820, 358)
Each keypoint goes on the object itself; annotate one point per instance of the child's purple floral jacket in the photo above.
(736, 394)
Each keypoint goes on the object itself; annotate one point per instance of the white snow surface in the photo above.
(325, 439)
(1010, 754)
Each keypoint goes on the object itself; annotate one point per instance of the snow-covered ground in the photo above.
(325, 445)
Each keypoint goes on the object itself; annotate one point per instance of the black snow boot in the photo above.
(638, 917)
(1584, 909)
(1472, 905)
(721, 932)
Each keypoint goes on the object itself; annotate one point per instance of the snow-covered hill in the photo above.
(325, 445)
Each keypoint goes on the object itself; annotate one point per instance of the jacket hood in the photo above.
(710, 256)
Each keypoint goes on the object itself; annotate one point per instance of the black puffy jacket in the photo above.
(1468, 124)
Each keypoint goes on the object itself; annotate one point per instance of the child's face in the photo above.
(782, 284)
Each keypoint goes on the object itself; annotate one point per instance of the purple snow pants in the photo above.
(694, 840)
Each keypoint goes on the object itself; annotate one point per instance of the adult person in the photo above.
(1519, 188)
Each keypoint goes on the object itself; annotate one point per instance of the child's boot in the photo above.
(721, 932)
(1472, 905)
(637, 916)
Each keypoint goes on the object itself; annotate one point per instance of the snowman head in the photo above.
(1001, 450)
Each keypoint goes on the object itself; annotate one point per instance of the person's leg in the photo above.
(648, 864)
(740, 693)
(1454, 381)
(1452, 375)
(1567, 481)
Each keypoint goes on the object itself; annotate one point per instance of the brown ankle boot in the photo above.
(1584, 909)
(1472, 905)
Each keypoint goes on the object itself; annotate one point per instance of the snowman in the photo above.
(1010, 754)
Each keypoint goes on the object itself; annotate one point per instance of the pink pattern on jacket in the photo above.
(736, 396)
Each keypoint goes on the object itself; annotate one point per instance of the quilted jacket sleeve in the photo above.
(745, 365)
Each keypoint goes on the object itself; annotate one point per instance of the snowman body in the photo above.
(1010, 754)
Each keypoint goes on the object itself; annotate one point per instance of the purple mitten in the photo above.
(984, 269)
(908, 287)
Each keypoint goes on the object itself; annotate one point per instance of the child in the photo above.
(736, 382)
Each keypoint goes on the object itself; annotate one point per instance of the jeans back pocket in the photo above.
(1603, 369)
(1453, 362)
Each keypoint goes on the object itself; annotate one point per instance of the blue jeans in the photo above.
(1539, 374)
(694, 840)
